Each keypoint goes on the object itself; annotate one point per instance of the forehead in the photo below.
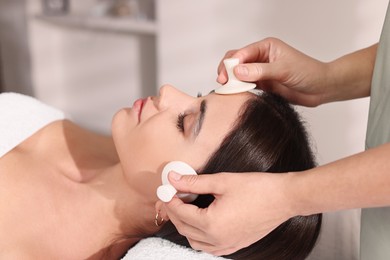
(221, 114)
(225, 107)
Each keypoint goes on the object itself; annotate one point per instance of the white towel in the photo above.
(155, 248)
(20, 117)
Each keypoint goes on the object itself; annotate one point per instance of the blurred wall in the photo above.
(15, 64)
(194, 36)
(87, 72)
(1, 74)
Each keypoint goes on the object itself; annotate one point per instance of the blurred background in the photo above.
(92, 57)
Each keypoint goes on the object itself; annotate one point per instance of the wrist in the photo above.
(349, 77)
(290, 194)
(300, 199)
(329, 83)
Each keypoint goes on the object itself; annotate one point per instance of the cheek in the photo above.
(150, 146)
(149, 149)
(203, 151)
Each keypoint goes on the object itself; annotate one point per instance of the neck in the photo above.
(114, 215)
(129, 215)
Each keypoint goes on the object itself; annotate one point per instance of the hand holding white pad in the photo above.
(233, 85)
(166, 191)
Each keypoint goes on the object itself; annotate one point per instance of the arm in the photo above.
(250, 205)
(350, 76)
(279, 68)
(359, 181)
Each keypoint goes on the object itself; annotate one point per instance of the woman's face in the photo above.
(173, 126)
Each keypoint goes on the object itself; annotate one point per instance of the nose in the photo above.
(170, 95)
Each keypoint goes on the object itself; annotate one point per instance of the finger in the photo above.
(211, 249)
(255, 52)
(253, 72)
(185, 229)
(228, 55)
(222, 74)
(190, 232)
(187, 218)
(222, 78)
(203, 246)
(198, 184)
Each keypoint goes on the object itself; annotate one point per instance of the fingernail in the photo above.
(175, 175)
(242, 70)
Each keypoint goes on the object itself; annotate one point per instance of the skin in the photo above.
(221, 228)
(67, 192)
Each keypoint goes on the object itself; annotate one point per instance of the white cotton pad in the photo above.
(166, 191)
(233, 85)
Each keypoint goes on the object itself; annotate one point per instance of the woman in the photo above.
(269, 137)
(67, 192)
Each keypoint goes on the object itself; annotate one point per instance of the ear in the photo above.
(159, 206)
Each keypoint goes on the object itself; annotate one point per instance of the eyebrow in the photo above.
(198, 126)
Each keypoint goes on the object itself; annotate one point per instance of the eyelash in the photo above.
(180, 118)
(180, 122)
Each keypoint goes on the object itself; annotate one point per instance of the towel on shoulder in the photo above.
(20, 117)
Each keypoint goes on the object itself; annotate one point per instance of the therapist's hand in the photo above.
(279, 68)
(247, 207)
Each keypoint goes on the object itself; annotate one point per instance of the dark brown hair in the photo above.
(269, 136)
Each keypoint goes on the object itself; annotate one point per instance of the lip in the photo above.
(137, 107)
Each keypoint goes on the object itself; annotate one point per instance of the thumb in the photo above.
(255, 72)
(196, 184)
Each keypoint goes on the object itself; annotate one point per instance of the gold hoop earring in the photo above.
(158, 222)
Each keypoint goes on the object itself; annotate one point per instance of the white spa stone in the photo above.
(233, 85)
(166, 191)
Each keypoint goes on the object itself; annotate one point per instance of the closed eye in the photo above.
(181, 117)
(180, 122)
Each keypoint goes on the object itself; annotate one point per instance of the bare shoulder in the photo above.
(61, 138)
(64, 147)
(16, 254)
